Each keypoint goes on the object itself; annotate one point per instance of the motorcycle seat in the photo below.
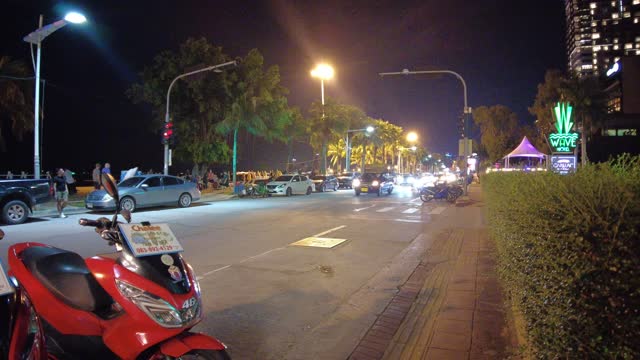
(66, 275)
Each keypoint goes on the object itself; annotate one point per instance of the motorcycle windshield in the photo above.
(166, 270)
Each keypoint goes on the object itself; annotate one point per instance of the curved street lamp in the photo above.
(35, 38)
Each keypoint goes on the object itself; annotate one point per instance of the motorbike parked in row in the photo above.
(441, 191)
(139, 303)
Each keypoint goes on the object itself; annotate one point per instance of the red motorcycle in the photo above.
(139, 303)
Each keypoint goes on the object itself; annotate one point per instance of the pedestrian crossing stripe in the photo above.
(410, 211)
(320, 242)
(385, 209)
(437, 210)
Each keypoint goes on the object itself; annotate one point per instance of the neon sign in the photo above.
(564, 140)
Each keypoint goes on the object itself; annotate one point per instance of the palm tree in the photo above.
(15, 107)
(589, 104)
(258, 106)
(336, 152)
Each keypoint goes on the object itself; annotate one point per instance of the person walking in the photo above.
(95, 176)
(71, 182)
(61, 191)
(9, 175)
(106, 169)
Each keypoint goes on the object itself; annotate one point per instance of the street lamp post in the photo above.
(466, 110)
(166, 115)
(35, 38)
(400, 148)
(368, 129)
(323, 72)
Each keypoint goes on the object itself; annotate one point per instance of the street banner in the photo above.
(147, 240)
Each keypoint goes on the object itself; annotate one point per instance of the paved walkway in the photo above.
(451, 307)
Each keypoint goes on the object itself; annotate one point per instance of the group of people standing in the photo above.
(63, 183)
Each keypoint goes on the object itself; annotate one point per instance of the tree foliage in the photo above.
(499, 130)
(16, 112)
(197, 103)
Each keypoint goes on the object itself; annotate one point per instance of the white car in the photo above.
(291, 184)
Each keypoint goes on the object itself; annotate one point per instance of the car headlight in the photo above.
(281, 186)
(157, 309)
(356, 182)
(106, 197)
(375, 183)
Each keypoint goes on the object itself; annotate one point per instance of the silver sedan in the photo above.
(145, 191)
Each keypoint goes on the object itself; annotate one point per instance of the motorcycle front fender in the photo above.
(180, 345)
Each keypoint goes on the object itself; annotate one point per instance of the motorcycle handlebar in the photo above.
(101, 222)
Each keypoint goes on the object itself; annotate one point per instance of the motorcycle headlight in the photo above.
(375, 183)
(157, 309)
(356, 182)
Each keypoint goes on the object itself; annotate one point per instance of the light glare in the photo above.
(370, 129)
(412, 137)
(75, 17)
(323, 71)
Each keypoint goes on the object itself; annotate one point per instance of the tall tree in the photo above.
(16, 109)
(297, 130)
(589, 105)
(338, 118)
(546, 98)
(258, 103)
(198, 102)
(499, 130)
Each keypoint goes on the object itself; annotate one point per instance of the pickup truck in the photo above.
(18, 197)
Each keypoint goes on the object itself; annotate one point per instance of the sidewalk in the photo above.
(76, 202)
(451, 307)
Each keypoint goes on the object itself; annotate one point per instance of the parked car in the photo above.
(18, 197)
(372, 183)
(290, 184)
(345, 179)
(145, 191)
(325, 182)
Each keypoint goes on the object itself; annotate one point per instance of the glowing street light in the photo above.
(323, 72)
(35, 38)
(412, 137)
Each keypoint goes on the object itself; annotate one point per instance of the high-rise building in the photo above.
(600, 32)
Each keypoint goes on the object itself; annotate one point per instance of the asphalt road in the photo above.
(265, 298)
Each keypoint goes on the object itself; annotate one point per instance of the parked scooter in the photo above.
(139, 303)
(441, 191)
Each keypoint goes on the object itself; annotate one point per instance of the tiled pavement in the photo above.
(451, 307)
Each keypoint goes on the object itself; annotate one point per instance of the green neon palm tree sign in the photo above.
(564, 140)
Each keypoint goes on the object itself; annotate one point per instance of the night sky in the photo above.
(502, 49)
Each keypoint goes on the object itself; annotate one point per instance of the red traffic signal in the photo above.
(167, 131)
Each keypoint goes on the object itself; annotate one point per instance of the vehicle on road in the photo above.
(257, 188)
(291, 184)
(145, 191)
(372, 183)
(345, 179)
(18, 198)
(138, 303)
(325, 182)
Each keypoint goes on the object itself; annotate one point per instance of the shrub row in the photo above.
(569, 256)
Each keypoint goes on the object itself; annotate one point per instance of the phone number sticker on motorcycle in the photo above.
(5, 286)
(147, 240)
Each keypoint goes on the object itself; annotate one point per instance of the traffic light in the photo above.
(168, 133)
(461, 126)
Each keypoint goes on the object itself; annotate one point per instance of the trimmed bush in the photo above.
(569, 256)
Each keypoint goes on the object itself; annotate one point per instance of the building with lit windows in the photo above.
(620, 131)
(600, 32)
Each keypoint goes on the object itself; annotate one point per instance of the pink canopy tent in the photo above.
(526, 150)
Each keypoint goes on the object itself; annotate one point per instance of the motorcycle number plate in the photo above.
(147, 240)
(5, 285)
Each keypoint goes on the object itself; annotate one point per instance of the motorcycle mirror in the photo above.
(1, 234)
(126, 214)
(110, 187)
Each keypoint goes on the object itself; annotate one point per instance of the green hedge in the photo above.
(569, 257)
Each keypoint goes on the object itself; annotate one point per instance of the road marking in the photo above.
(211, 272)
(385, 209)
(364, 208)
(264, 253)
(330, 230)
(407, 220)
(410, 211)
(415, 200)
(437, 210)
(321, 242)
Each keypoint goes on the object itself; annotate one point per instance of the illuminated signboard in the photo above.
(563, 164)
(564, 140)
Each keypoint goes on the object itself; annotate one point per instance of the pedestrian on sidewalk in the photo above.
(106, 169)
(95, 176)
(61, 191)
(9, 175)
(23, 175)
(71, 182)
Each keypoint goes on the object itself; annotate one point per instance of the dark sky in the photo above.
(501, 48)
